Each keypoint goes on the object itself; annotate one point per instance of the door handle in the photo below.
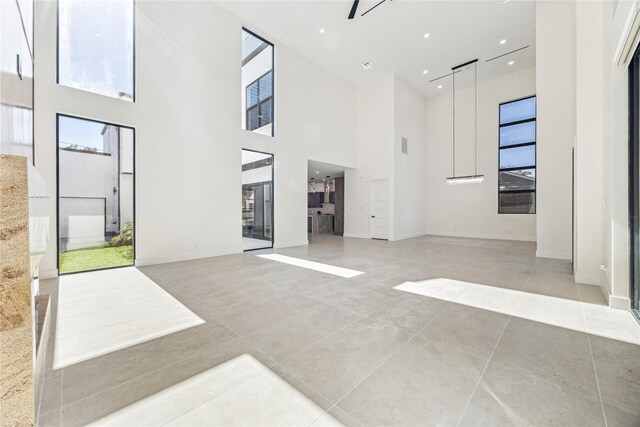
(373, 216)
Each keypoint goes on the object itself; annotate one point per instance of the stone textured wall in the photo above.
(16, 321)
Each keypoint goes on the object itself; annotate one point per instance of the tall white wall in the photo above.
(615, 155)
(188, 119)
(555, 87)
(591, 108)
(472, 210)
(375, 142)
(411, 198)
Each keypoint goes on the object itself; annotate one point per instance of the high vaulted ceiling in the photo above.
(392, 37)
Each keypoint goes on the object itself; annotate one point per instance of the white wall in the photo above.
(410, 191)
(187, 117)
(555, 87)
(375, 137)
(616, 180)
(590, 135)
(472, 210)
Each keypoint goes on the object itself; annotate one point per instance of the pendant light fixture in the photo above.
(475, 178)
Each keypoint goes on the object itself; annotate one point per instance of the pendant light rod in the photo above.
(475, 178)
(465, 64)
(454, 122)
(475, 118)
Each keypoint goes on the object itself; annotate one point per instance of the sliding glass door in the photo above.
(634, 182)
(257, 200)
(95, 195)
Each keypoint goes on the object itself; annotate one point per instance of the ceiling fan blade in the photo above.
(354, 9)
(378, 4)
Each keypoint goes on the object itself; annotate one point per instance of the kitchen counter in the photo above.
(321, 223)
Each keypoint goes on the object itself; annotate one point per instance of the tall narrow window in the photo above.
(257, 84)
(257, 200)
(517, 157)
(95, 195)
(96, 46)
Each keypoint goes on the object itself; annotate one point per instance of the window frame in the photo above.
(273, 84)
(259, 102)
(134, 193)
(519, 145)
(134, 38)
(634, 184)
(273, 198)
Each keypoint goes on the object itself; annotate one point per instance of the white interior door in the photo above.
(379, 209)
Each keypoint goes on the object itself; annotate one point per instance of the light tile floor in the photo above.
(367, 354)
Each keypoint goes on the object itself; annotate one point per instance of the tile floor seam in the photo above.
(593, 362)
(357, 319)
(213, 398)
(622, 408)
(329, 304)
(379, 365)
(475, 389)
(483, 372)
(290, 373)
(217, 319)
(125, 382)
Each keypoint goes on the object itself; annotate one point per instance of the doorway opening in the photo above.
(96, 182)
(257, 200)
(325, 200)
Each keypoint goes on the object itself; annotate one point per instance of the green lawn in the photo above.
(95, 258)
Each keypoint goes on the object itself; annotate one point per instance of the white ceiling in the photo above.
(320, 170)
(391, 37)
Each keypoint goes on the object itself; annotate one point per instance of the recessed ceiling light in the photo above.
(321, 30)
(366, 66)
(426, 35)
(317, 171)
(425, 71)
(439, 86)
(503, 41)
(511, 62)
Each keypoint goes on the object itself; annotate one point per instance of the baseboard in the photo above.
(408, 236)
(143, 262)
(587, 279)
(290, 244)
(482, 236)
(555, 255)
(619, 303)
(356, 235)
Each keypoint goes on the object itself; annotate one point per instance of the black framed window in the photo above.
(96, 194)
(96, 46)
(259, 99)
(517, 157)
(634, 184)
(257, 84)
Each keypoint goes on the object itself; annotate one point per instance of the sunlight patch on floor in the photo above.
(103, 311)
(575, 315)
(311, 265)
(241, 391)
